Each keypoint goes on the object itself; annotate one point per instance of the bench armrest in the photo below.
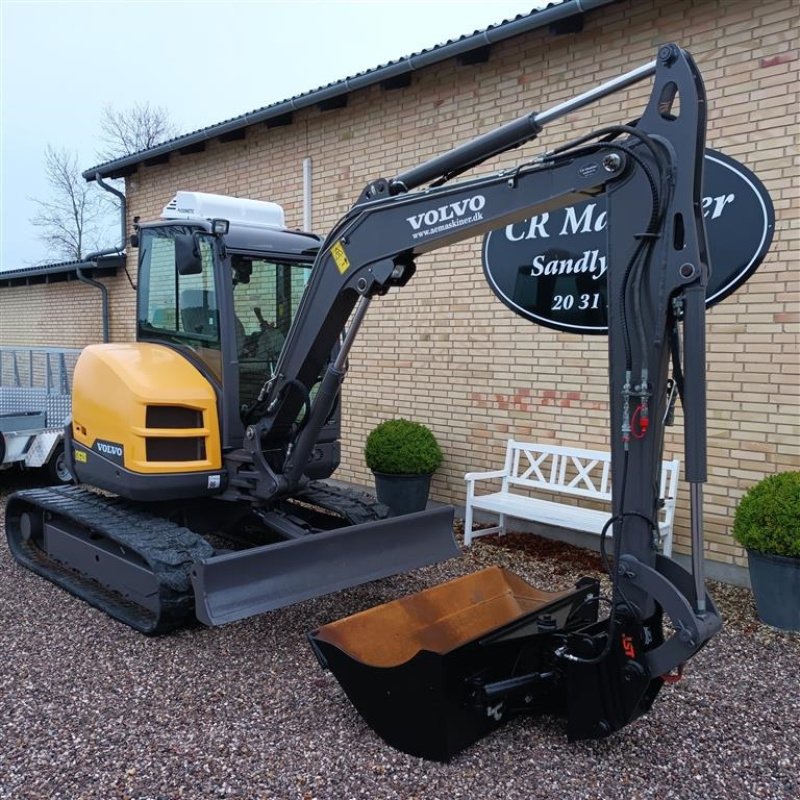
(471, 477)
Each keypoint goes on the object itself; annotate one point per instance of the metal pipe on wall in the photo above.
(91, 259)
(103, 295)
(307, 189)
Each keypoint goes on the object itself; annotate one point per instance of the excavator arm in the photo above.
(608, 672)
(374, 246)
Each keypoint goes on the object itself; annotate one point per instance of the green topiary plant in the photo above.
(402, 447)
(767, 518)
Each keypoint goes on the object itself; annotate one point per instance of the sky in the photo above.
(63, 61)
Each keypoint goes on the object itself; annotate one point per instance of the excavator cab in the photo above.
(215, 300)
(223, 291)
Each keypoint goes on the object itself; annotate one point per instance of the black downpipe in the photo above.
(123, 210)
(103, 295)
(91, 259)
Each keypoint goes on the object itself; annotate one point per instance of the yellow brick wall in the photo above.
(62, 314)
(446, 352)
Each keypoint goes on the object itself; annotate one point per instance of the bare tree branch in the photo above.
(75, 218)
(71, 218)
(130, 130)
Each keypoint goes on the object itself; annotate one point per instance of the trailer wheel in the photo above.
(57, 470)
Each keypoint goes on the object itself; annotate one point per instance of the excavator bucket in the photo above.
(238, 585)
(427, 672)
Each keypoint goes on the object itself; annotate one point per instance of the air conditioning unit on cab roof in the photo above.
(238, 211)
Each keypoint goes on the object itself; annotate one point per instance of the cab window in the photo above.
(266, 295)
(175, 308)
(181, 306)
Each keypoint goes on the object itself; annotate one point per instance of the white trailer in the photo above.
(35, 406)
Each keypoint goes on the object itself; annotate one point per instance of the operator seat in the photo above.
(198, 315)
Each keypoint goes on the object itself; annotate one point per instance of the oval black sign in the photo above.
(551, 269)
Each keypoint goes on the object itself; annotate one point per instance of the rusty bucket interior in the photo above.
(405, 665)
(438, 620)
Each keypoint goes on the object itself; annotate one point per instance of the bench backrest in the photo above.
(575, 471)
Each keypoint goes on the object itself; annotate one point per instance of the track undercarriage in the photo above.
(156, 575)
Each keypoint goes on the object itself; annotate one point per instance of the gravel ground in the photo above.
(90, 709)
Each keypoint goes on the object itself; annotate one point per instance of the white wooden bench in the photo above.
(565, 471)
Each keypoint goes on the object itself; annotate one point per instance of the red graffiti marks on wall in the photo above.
(526, 400)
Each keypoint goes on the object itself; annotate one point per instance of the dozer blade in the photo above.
(433, 672)
(238, 585)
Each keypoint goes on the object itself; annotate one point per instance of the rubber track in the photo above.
(167, 548)
(356, 507)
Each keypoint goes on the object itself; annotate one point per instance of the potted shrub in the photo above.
(767, 525)
(402, 455)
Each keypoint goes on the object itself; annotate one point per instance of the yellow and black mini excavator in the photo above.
(212, 435)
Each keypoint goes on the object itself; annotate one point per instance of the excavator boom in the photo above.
(552, 655)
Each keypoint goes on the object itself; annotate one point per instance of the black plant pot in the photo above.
(404, 494)
(776, 586)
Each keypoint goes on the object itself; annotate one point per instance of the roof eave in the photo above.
(45, 273)
(536, 19)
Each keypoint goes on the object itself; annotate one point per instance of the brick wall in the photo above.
(443, 350)
(64, 314)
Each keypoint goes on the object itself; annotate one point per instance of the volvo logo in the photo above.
(453, 211)
(109, 449)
